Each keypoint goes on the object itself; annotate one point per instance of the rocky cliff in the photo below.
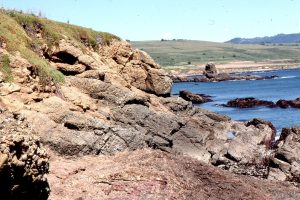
(85, 95)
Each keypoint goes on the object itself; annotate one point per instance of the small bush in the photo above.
(6, 69)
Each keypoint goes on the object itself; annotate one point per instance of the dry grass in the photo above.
(6, 68)
(19, 32)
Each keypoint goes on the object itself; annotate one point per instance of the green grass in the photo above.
(188, 52)
(6, 69)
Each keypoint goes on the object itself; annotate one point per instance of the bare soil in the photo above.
(150, 174)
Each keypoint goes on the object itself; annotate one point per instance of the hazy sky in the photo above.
(210, 20)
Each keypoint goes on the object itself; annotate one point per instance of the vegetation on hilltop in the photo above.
(26, 33)
(188, 52)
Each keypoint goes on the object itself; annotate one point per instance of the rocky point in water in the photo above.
(210, 74)
(106, 118)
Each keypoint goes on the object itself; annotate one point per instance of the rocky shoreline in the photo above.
(113, 131)
(210, 74)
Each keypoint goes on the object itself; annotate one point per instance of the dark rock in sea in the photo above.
(248, 102)
(288, 103)
(283, 103)
(295, 103)
(195, 98)
(285, 163)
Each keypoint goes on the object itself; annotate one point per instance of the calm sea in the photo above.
(287, 86)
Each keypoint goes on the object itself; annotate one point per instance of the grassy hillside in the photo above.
(27, 33)
(189, 53)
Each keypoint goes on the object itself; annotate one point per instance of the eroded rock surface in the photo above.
(23, 168)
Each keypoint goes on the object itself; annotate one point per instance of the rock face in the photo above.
(248, 102)
(195, 98)
(136, 67)
(23, 168)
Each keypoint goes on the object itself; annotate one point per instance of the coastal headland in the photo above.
(84, 115)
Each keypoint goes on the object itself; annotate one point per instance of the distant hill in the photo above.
(191, 52)
(280, 38)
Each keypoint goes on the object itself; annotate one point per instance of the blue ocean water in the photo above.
(286, 86)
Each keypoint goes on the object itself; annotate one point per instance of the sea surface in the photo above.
(286, 86)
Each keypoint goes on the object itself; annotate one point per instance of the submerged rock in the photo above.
(195, 98)
(288, 103)
(248, 102)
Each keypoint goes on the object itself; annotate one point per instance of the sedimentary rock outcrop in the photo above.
(285, 164)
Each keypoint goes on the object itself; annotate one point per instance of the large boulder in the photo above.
(210, 70)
